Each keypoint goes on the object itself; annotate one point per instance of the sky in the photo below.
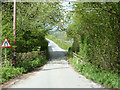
(67, 6)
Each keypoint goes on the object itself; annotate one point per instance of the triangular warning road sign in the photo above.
(6, 44)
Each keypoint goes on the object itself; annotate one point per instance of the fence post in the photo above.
(77, 60)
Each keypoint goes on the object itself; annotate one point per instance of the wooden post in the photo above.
(14, 33)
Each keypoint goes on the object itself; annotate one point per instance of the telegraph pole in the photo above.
(14, 33)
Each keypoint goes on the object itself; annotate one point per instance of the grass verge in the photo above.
(26, 62)
(23, 67)
(103, 77)
(63, 44)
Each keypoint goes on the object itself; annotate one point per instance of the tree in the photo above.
(34, 20)
(96, 26)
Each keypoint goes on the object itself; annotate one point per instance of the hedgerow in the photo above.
(101, 76)
(23, 67)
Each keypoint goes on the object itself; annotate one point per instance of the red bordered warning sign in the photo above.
(6, 43)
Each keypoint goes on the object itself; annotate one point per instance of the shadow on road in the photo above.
(57, 55)
(54, 68)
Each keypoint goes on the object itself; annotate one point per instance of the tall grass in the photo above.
(101, 76)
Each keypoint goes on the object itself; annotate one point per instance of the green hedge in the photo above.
(30, 65)
(23, 67)
(101, 76)
(25, 62)
(97, 33)
(9, 72)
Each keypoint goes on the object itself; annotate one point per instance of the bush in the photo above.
(30, 65)
(25, 62)
(23, 67)
(10, 71)
(99, 76)
(97, 36)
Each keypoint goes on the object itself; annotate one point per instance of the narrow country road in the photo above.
(57, 73)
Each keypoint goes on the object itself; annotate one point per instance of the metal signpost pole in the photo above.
(6, 44)
(6, 57)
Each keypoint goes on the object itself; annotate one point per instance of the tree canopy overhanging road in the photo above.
(92, 27)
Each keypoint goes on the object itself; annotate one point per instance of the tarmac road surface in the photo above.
(57, 73)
